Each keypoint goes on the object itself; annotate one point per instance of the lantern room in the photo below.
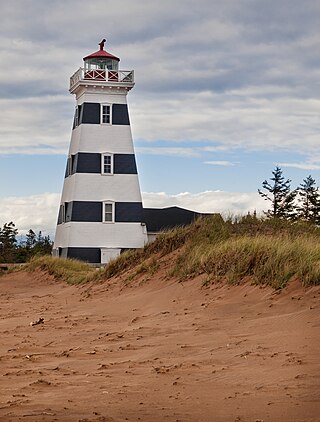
(101, 69)
(96, 64)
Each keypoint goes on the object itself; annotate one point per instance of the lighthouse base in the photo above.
(90, 255)
(108, 254)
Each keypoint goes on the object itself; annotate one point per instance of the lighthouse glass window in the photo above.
(108, 212)
(107, 164)
(106, 114)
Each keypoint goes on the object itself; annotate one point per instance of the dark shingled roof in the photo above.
(158, 219)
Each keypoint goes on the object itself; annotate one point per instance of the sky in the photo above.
(225, 91)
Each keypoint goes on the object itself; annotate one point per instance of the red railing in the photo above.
(117, 76)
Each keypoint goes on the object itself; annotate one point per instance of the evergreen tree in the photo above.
(8, 240)
(39, 238)
(280, 195)
(43, 245)
(308, 207)
(31, 239)
(13, 251)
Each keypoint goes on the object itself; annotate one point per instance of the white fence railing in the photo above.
(117, 76)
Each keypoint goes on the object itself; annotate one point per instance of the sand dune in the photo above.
(157, 350)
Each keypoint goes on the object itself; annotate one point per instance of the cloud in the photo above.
(36, 212)
(312, 162)
(302, 166)
(33, 125)
(219, 163)
(180, 152)
(234, 74)
(228, 119)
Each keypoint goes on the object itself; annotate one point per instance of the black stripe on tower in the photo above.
(124, 164)
(91, 211)
(89, 113)
(120, 115)
(87, 162)
(128, 212)
(92, 255)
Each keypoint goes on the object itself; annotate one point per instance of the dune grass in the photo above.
(70, 270)
(266, 259)
(267, 251)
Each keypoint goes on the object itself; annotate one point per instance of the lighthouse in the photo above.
(101, 211)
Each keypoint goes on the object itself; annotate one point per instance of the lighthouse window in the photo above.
(61, 216)
(107, 164)
(106, 114)
(77, 119)
(70, 165)
(68, 172)
(108, 212)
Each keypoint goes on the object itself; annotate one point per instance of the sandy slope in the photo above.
(157, 351)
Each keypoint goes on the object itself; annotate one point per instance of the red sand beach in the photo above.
(157, 350)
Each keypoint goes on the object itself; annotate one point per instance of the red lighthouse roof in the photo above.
(102, 53)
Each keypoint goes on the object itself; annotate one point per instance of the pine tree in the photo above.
(280, 195)
(30, 239)
(43, 245)
(8, 240)
(308, 207)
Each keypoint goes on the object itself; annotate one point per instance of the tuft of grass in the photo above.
(122, 263)
(10, 268)
(167, 242)
(70, 270)
(136, 260)
(150, 266)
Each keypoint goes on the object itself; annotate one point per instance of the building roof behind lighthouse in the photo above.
(102, 53)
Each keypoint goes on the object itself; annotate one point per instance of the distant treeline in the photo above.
(13, 251)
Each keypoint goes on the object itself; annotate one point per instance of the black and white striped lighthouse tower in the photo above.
(101, 210)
